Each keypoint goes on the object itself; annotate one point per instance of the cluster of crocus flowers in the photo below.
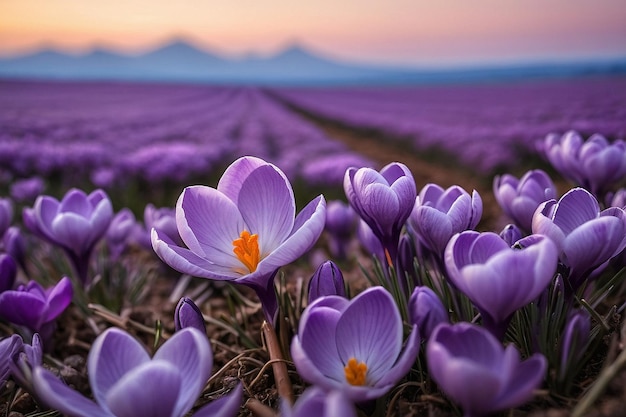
(125, 381)
(519, 198)
(594, 164)
(242, 231)
(585, 236)
(354, 346)
(473, 368)
(76, 224)
(384, 200)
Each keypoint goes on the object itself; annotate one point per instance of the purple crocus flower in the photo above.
(327, 280)
(244, 230)
(383, 200)
(14, 244)
(586, 237)
(187, 314)
(9, 347)
(25, 360)
(519, 198)
(511, 234)
(35, 307)
(594, 164)
(355, 346)
(6, 215)
(27, 189)
(478, 373)
(426, 311)
(438, 214)
(75, 223)
(119, 232)
(8, 272)
(163, 219)
(125, 381)
(340, 224)
(319, 403)
(497, 278)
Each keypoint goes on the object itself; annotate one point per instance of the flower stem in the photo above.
(281, 376)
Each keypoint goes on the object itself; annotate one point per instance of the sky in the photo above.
(406, 32)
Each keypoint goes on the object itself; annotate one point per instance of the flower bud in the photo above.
(327, 280)
(187, 314)
(426, 311)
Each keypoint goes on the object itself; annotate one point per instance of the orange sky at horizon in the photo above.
(397, 31)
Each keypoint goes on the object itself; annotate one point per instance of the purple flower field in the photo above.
(177, 250)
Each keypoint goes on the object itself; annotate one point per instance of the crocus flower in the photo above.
(383, 200)
(575, 338)
(511, 234)
(6, 215)
(27, 189)
(319, 403)
(438, 214)
(8, 272)
(586, 237)
(472, 368)
(327, 280)
(119, 231)
(497, 278)
(126, 382)
(340, 224)
(244, 230)
(14, 244)
(426, 311)
(519, 198)
(187, 314)
(9, 346)
(25, 360)
(35, 307)
(76, 223)
(355, 346)
(594, 164)
(163, 219)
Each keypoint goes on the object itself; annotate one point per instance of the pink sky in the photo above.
(413, 32)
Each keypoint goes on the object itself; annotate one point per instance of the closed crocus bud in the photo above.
(6, 214)
(76, 223)
(340, 225)
(384, 200)
(438, 214)
(426, 311)
(327, 280)
(476, 372)
(499, 279)
(8, 272)
(585, 236)
(594, 164)
(520, 198)
(511, 234)
(187, 314)
(14, 245)
(119, 231)
(575, 339)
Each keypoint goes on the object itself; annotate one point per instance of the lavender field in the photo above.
(208, 250)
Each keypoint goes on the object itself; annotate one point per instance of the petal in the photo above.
(319, 343)
(151, 389)
(45, 210)
(268, 207)
(226, 406)
(593, 243)
(185, 261)
(75, 201)
(576, 207)
(519, 387)
(189, 352)
(233, 177)
(59, 298)
(72, 231)
(433, 227)
(113, 354)
(22, 308)
(405, 361)
(208, 222)
(309, 370)
(308, 227)
(55, 394)
(485, 246)
(370, 330)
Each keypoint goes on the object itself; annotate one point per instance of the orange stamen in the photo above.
(355, 372)
(246, 247)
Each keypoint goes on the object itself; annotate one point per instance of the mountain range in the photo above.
(180, 61)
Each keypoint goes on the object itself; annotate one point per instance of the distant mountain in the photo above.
(180, 61)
